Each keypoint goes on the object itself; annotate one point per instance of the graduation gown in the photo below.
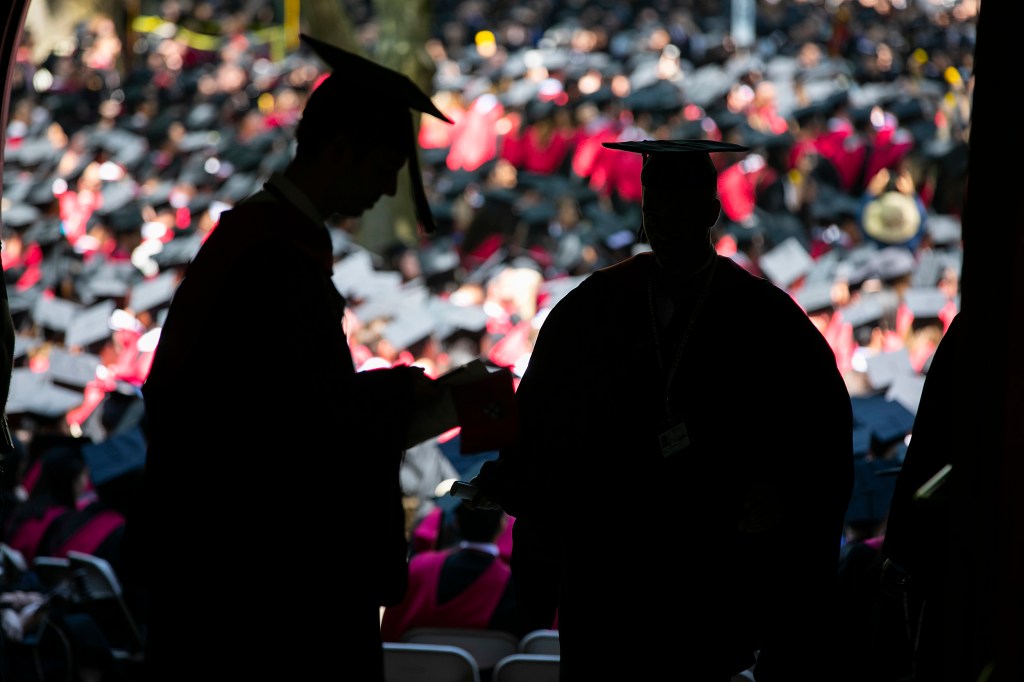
(641, 552)
(270, 464)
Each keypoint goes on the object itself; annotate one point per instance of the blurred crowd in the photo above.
(121, 155)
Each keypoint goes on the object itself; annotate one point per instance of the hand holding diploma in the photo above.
(473, 397)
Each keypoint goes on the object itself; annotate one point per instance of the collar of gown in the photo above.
(295, 196)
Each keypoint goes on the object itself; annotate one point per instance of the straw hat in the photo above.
(892, 218)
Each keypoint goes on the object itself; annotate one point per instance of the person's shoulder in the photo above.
(426, 557)
(627, 274)
(601, 290)
(739, 278)
(762, 304)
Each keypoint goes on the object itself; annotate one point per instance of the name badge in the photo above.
(674, 439)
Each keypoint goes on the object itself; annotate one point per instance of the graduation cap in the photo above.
(202, 116)
(55, 314)
(410, 325)
(925, 303)
(452, 318)
(884, 368)
(438, 258)
(102, 286)
(20, 301)
(832, 205)
(341, 242)
(786, 263)
(19, 216)
(352, 272)
(36, 151)
(861, 441)
(157, 194)
(41, 193)
(238, 187)
(73, 370)
(391, 300)
(944, 229)
(888, 421)
(670, 164)
(706, 84)
(179, 251)
(660, 96)
(930, 269)
(46, 231)
(352, 75)
(127, 218)
(154, 293)
(906, 389)
(120, 454)
(863, 313)
(129, 149)
(33, 393)
(872, 491)
(115, 196)
(195, 140)
(886, 264)
(90, 325)
(25, 344)
(816, 297)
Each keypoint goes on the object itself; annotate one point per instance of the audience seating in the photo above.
(527, 668)
(12, 563)
(487, 647)
(97, 591)
(52, 571)
(540, 642)
(408, 662)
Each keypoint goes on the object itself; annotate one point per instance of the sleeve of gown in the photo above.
(318, 401)
(527, 479)
(810, 425)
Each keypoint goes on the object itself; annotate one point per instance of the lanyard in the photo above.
(686, 333)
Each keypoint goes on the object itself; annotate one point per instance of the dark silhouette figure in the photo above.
(698, 412)
(917, 548)
(33, 526)
(271, 462)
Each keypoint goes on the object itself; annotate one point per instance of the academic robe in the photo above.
(271, 464)
(457, 588)
(673, 577)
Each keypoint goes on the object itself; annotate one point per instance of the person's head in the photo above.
(369, 153)
(478, 525)
(680, 197)
(358, 122)
(680, 203)
(63, 475)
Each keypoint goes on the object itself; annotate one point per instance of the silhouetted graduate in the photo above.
(273, 528)
(684, 461)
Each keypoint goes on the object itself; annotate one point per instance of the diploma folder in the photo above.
(479, 400)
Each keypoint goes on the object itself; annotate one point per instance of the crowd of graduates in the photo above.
(120, 156)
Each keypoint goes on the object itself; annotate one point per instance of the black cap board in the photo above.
(667, 163)
(352, 73)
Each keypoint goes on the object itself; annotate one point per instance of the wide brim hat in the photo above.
(892, 218)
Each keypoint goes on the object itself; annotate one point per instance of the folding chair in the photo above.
(12, 564)
(527, 668)
(406, 662)
(52, 571)
(540, 642)
(97, 591)
(486, 647)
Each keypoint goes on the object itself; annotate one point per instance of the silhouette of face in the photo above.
(677, 224)
(375, 175)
